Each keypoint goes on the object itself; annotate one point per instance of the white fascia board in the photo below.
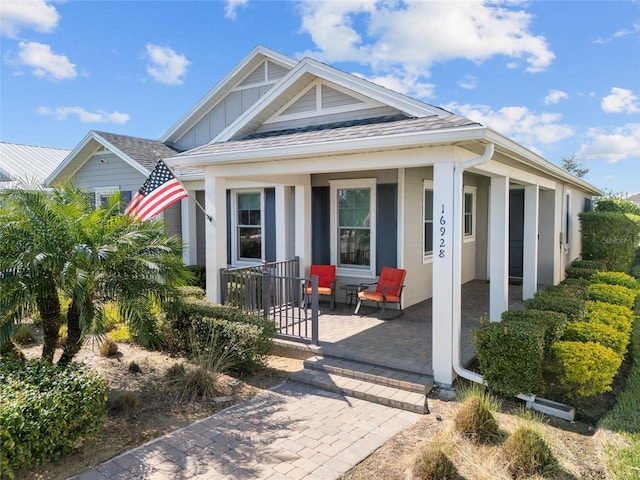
(397, 141)
(53, 176)
(222, 84)
(403, 103)
(524, 155)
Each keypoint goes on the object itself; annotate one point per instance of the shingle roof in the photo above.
(363, 128)
(144, 151)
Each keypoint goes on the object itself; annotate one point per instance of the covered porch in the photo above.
(404, 343)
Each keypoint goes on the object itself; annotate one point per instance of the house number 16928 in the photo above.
(443, 230)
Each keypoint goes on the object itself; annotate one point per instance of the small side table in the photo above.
(351, 292)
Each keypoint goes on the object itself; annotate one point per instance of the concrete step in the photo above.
(403, 390)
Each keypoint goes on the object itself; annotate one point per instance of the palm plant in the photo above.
(56, 242)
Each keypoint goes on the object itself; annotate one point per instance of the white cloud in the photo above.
(232, 7)
(469, 82)
(44, 62)
(554, 96)
(518, 122)
(166, 66)
(627, 31)
(16, 15)
(620, 100)
(100, 116)
(417, 34)
(619, 143)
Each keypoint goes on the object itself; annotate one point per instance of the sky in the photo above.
(561, 78)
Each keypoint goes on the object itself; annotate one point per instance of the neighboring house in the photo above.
(27, 164)
(297, 158)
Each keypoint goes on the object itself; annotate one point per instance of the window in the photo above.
(249, 226)
(469, 213)
(100, 199)
(428, 220)
(353, 228)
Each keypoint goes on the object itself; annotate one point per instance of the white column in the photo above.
(558, 228)
(499, 248)
(303, 226)
(443, 265)
(215, 203)
(283, 223)
(530, 247)
(189, 236)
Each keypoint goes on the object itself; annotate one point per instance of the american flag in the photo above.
(159, 191)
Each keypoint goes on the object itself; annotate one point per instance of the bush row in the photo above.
(193, 319)
(44, 410)
(578, 331)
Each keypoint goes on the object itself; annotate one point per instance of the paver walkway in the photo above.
(291, 432)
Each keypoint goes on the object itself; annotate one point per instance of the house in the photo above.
(27, 163)
(297, 158)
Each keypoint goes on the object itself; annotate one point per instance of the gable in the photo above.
(105, 169)
(237, 101)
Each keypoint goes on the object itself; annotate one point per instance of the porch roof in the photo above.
(349, 130)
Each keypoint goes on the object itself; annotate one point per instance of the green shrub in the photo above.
(570, 289)
(598, 332)
(198, 276)
(616, 316)
(511, 356)
(475, 421)
(254, 333)
(615, 294)
(120, 333)
(192, 291)
(592, 264)
(22, 333)
(552, 323)
(616, 278)
(611, 237)
(527, 454)
(433, 464)
(577, 272)
(573, 308)
(586, 368)
(44, 410)
(579, 282)
(611, 204)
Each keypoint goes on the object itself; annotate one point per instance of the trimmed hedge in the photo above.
(591, 264)
(569, 289)
(587, 368)
(577, 272)
(45, 410)
(553, 324)
(573, 308)
(617, 278)
(601, 333)
(616, 316)
(611, 237)
(510, 356)
(614, 294)
(250, 335)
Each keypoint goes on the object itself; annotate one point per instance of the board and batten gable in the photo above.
(234, 104)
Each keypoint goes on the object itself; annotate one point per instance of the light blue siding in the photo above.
(333, 98)
(108, 170)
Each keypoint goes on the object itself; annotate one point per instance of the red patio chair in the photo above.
(388, 289)
(326, 282)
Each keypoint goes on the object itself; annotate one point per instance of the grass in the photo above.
(624, 459)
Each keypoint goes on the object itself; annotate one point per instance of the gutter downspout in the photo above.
(458, 172)
(536, 403)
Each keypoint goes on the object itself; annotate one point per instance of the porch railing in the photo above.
(275, 290)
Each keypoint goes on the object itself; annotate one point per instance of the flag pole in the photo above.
(209, 217)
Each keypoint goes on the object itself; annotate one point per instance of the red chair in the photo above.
(326, 282)
(388, 289)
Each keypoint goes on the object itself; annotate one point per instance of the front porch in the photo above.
(404, 343)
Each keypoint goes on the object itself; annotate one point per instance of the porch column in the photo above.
(189, 236)
(559, 246)
(499, 248)
(215, 203)
(548, 237)
(530, 247)
(303, 226)
(283, 223)
(443, 265)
